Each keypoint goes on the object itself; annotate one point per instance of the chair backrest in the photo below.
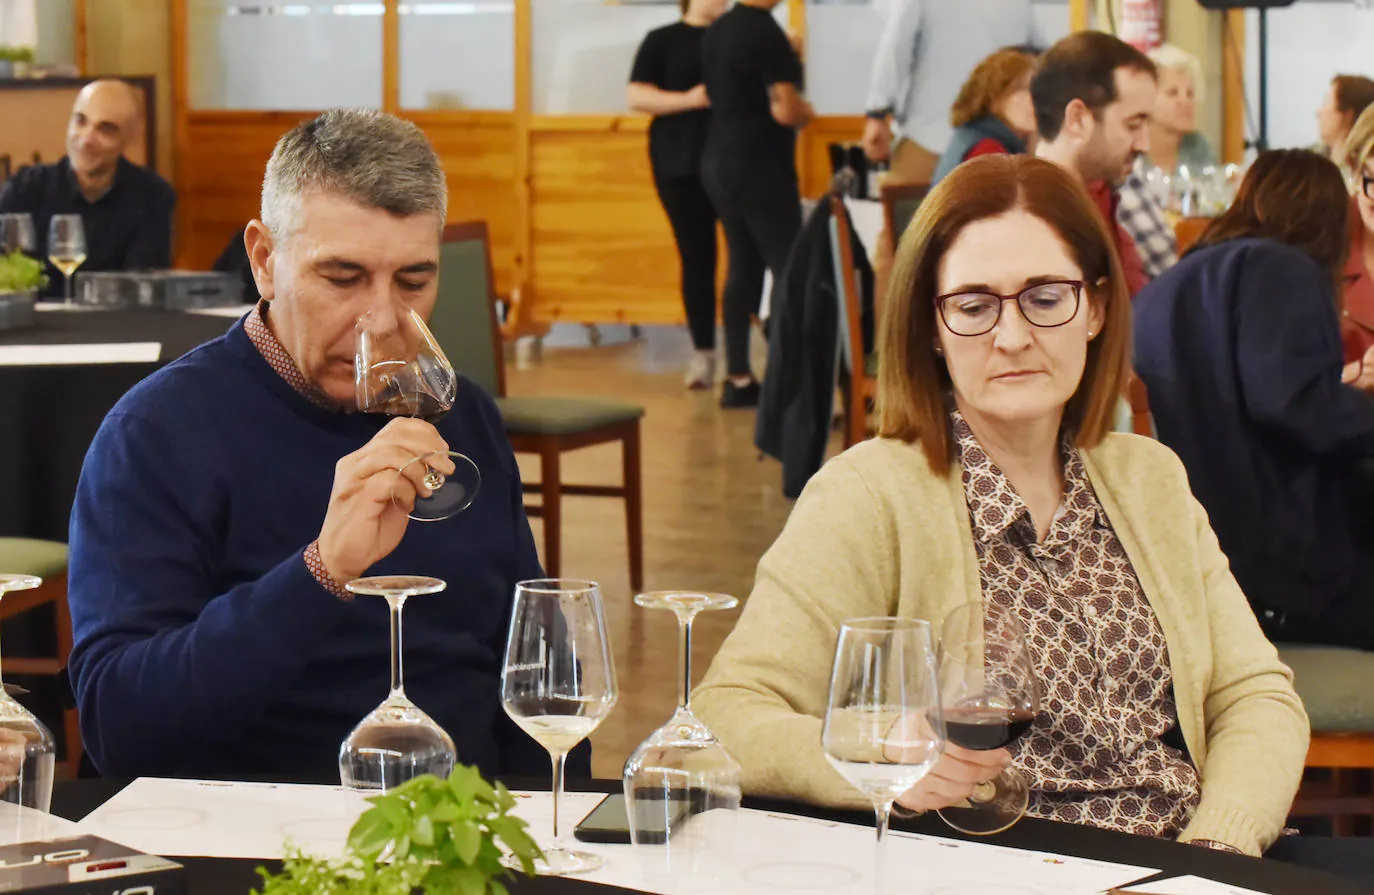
(464, 318)
(900, 201)
(1141, 421)
(848, 286)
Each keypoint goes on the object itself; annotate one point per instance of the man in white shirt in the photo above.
(927, 50)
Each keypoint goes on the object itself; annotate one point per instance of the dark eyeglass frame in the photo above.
(1366, 182)
(1016, 297)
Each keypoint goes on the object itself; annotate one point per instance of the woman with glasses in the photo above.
(1357, 312)
(1239, 347)
(1004, 347)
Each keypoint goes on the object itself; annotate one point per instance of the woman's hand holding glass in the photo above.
(954, 778)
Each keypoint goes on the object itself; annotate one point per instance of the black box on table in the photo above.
(87, 865)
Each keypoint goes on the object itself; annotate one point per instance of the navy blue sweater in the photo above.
(1240, 349)
(204, 647)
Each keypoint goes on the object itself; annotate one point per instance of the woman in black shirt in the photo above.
(666, 83)
(753, 76)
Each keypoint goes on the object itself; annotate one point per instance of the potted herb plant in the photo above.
(439, 837)
(15, 61)
(20, 279)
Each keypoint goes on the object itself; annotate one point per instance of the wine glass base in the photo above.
(1005, 805)
(449, 495)
(560, 862)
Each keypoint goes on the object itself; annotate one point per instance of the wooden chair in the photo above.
(1141, 422)
(464, 321)
(1187, 231)
(900, 201)
(863, 381)
(46, 560)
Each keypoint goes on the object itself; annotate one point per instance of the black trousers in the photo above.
(693, 219)
(761, 213)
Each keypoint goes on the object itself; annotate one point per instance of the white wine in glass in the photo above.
(67, 247)
(558, 683)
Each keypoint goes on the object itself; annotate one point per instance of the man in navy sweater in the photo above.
(227, 498)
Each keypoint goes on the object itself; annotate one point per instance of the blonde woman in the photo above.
(1174, 137)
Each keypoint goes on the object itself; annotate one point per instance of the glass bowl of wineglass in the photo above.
(990, 696)
(400, 370)
(28, 752)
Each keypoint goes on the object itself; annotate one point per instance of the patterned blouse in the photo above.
(1097, 752)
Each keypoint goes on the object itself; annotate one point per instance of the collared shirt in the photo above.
(128, 228)
(1357, 306)
(927, 50)
(1141, 215)
(260, 334)
(1097, 752)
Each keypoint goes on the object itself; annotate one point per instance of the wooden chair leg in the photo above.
(551, 487)
(634, 506)
(71, 720)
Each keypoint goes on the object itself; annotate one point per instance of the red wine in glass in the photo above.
(983, 728)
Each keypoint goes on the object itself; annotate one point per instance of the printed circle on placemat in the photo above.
(154, 818)
(800, 877)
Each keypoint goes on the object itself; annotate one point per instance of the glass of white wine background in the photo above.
(558, 683)
(66, 247)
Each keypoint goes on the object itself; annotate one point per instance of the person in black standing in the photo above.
(753, 77)
(666, 83)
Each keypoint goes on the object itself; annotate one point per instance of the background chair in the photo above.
(464, 322)
(900, 201)
(47, 560)
(863, 366)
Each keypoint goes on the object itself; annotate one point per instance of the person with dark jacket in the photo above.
(753, 77)
(993, 114)
(1239, 348)
(799, 386)
(666, 83)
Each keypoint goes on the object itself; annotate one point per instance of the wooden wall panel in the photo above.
(601, 250)
(813, 153)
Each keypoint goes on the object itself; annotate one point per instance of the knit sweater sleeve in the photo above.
(155, 637)
(765, 693)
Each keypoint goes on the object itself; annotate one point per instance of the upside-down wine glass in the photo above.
(27, 749)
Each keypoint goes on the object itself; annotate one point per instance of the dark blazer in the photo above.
(794, 413)
(1239, 346)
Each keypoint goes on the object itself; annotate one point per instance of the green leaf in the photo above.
(370, 834)
(463, 783)
(402, 849)
(445, 812)
(504, 800)
(423, 831)
(495, 887)
(467, 839)
(394, 810)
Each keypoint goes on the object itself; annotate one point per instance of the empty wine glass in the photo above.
(990, 697)
(396, 741)
(682, 788)
(27, 750)
(400, 370)
(16, 234)
(67, 247)
(883, 727)
(557, 684)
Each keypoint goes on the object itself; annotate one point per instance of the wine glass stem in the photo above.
(883, 812)
(684, 664)
(559, 760)
(67, 286)
(397, 602)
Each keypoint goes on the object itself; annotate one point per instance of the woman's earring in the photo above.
(1091, 334)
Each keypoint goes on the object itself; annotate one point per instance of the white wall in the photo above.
(458, 54)
(583, 51)
(56, 42)
(1309, 43)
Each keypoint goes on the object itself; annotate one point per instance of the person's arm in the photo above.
(1289, 361)
(895, 58)
(164, 666)
(151, 246)
(782, 72)
(1256, 728)
(788, 108)
(648, 99)
(766, 691)
(15, 196)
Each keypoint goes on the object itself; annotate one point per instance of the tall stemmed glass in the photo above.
(67, 247)
(400, 370)
(27, 750)
(396, 741)
(990, 696)
(682, 787)
(16, 234)
(883, 727)
(558, 683)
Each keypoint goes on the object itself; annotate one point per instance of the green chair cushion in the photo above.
(27, 556)
(563, 416)
(1333, 683)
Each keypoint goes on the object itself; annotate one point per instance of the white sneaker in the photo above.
(701, 370)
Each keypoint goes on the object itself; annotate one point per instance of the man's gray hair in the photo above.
(375, 159)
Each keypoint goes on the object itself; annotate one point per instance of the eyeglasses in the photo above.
(1367, 183)
(1044, 304)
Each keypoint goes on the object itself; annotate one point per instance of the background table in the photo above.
(219, 876)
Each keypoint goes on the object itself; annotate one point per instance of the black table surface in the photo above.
(222, 876)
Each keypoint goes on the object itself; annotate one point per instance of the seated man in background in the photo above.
(126, 210)
(228, 497)
(1094, 95)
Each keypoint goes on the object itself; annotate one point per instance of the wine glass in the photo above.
(16, 234)
(682, 787)
(400, 370)
(396, 741)
(990, 696)
(557, 684)
(27, 750)
(883, 727)
(66, 247)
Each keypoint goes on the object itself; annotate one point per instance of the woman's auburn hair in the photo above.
(994, 77)
(913, 381)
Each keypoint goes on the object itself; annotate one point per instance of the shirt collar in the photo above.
(74, 187)
(281, 362)
(995, 507)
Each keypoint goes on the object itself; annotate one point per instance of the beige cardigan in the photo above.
(877, 533)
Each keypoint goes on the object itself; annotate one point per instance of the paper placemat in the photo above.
(95, 353)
